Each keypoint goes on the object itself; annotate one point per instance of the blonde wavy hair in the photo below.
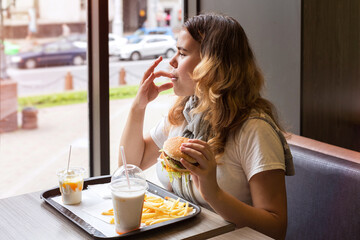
(228, 80)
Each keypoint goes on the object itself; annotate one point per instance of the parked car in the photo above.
(76, 37)
(115, 43)
(151, 31)
(54, 53)
(148, 46)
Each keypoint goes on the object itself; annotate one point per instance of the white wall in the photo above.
(22, 5)
(273, 29)
(60, 10)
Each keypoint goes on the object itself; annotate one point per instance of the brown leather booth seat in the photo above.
(324, 195)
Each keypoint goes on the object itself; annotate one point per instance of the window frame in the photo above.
(98, 87)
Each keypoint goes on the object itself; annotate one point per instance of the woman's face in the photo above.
(183, 63)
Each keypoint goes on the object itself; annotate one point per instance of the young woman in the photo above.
(242, 155)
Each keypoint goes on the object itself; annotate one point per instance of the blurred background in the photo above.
(44, 81)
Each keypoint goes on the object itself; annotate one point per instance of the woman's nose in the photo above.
(173, 61)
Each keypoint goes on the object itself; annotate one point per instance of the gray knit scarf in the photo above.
(196, 128)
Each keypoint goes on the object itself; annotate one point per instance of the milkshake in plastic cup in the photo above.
(71, 184)
(128, 200)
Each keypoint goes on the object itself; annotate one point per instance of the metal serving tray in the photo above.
(97, 234)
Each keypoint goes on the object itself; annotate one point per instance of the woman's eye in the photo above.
(181, 54)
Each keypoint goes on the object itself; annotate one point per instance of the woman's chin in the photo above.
(182, 92)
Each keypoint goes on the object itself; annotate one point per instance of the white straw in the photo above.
(67, 170)
(124, 163)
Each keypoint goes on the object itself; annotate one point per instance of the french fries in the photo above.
(110, 212)
(157, 210)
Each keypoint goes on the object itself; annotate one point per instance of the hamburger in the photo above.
(171, 155)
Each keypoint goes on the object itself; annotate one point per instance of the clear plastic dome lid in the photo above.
(135, 174)
(71, 172)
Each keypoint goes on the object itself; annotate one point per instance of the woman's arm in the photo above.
(269, 211)
(141, 150)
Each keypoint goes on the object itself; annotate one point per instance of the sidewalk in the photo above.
(29, 159)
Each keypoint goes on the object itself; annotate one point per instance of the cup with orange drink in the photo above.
(71, 182)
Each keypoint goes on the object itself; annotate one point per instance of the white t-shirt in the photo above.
(253, 149)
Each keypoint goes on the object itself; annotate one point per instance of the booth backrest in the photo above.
(324, 195)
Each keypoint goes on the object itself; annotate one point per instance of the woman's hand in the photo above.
(148, 91)
(204, 175)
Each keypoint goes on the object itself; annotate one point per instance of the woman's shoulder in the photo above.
(257, 129)
(257, 137)
(256, 122)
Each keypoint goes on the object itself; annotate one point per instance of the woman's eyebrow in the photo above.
(182, 49)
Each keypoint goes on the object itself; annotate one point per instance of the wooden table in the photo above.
(242, 233)
(29, 217)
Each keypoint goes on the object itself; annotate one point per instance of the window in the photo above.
(51, 110)
(51, 48)
(65, 46)
(142, 47)
(52, 92)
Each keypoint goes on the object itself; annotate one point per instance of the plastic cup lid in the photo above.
(73, 171)
(136, 175)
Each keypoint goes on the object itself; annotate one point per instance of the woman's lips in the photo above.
(174, 77)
